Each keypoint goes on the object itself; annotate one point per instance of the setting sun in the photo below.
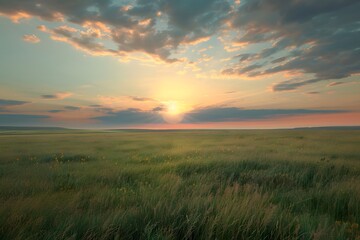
(174, 112)
(172, 108)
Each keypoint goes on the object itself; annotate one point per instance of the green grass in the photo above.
(266, 184)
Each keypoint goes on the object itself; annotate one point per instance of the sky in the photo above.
(164, 64)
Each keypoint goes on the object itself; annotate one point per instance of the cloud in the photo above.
(72, 108)
(21, 119)
(57, 96)
(314, 38)
(318, 39)
(232, 114)
(293, 84)
(102, 109)
(129, 117)
(242, 70)
(141, 99)
(278, 60)
(87, 41)
(7, 103)
(31, 38)
(335, 84)
(161, 108)
(156, 28)
(55, 111)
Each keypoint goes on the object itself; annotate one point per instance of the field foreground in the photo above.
(255, 184)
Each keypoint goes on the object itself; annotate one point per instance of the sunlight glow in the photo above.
(174, 112)
(172, 108)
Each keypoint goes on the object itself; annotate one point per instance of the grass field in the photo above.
(255, 184)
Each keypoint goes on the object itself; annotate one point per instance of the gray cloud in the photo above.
(219, 114)
(312, 37)
(57, 96)
(102, 109)
(21, 119)
(293, 84)
(72, 108)
(55, 111)
(135, 116)
(159, 108)
(181, 22)
(130, 116)
(278, 60)
(141, 99)
(155, 27)
(7, 102)
(242, 70)
(335, 84)
(323, 36)
(245, 57)
(49, 96)
(87, 41)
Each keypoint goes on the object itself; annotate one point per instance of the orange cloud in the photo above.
(16, 17)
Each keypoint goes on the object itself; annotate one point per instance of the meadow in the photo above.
(223, 184)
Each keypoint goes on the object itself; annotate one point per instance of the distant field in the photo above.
(255, 184)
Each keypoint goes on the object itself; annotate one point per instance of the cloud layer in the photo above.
(22, 119)
(130, 116)
(204, 115)
(314, 39)
(7, 102)
(233, 114)
(311, 37)
(153, 27)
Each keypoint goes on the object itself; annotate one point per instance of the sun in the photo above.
(174, 112)
(172, 108)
